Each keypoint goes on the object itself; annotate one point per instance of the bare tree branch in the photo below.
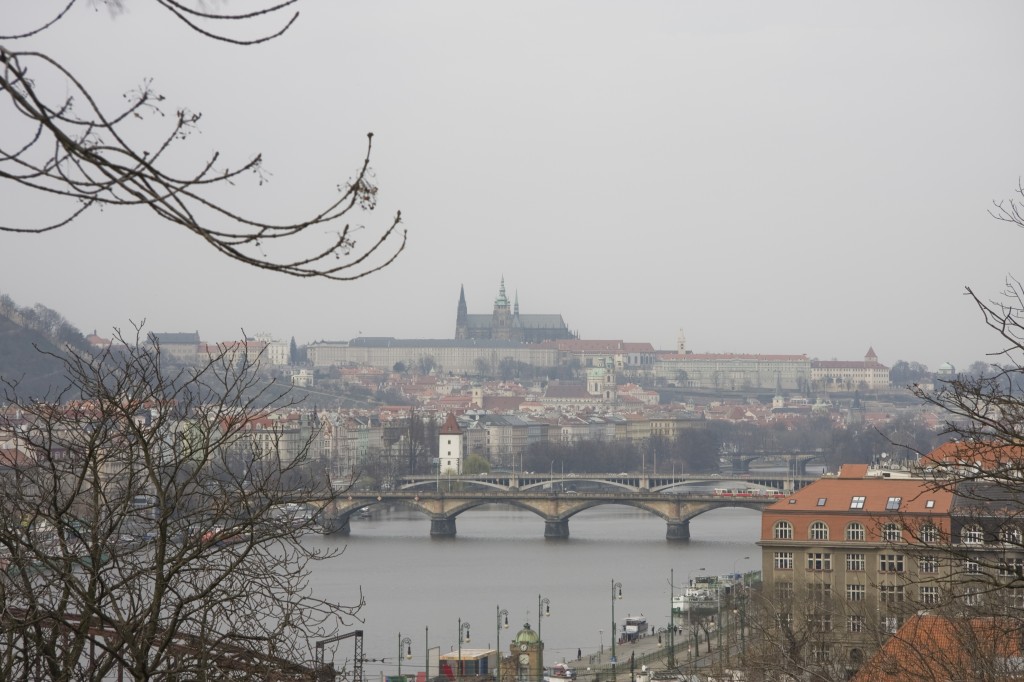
(74, 150)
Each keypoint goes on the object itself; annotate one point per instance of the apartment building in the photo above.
(844, 559)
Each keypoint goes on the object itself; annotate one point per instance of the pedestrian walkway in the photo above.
(647, 651)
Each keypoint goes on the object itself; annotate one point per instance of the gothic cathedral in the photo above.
(505, 323)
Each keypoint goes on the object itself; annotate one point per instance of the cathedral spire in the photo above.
(515, 311)
(502, 299)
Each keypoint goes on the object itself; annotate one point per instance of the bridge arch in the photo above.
(554, 508)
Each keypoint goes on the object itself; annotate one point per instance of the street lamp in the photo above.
(671, 619)
(746, 558)
(544, 612)
(502, 623)
(408, 651)
(616, 594)
(463, 627)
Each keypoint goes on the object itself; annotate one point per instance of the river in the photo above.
(411, 582)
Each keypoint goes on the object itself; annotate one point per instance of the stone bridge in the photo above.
(642, 482)
(555, 508)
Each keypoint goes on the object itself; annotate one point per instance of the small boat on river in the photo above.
(704, 591)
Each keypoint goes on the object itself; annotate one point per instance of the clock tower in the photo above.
(528, 653)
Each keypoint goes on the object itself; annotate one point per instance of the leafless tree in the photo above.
(152, 525)
(71, 153)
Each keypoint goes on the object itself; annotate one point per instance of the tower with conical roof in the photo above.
(449, 451)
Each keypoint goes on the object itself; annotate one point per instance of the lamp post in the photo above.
(746, 558)
(408, 651)
(615, 586)
(671, 619)
(463, 627)
(543, 611)
(502, 623)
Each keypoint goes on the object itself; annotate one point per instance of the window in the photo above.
(928, 564)
(929, 534)
(891, 594)
(784, 592)
(891, 532)
(783, 530)
(890, 563)
(854, 623)
(855, 532)
(1015, 597)
(822, 622)
(929, 594)
(971, 566)
(890, 624)
(855, 592)
(819, 592)
(822, 501)
(855, 562)
(1011, 568)
(821, 653)
(784, 560)
(819, 531)
(972, 535)
(929, 504)
(972, 596)
(1011, 535)
(819, 561)
(893, 503)
(857, 502)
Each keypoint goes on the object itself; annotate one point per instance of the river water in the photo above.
(412, 582)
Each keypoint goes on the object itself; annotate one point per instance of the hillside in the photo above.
(24, 355)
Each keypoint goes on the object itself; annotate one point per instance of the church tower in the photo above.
(501, 326)
(462, 316)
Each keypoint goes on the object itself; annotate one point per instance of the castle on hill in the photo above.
(505, 323)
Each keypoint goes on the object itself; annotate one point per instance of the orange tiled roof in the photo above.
(988, 455)
(837, 493)
(941, 649)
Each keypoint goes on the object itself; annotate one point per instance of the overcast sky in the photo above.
(783, 177)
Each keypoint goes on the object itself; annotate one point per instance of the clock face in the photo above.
(524, 659)
(522, 647)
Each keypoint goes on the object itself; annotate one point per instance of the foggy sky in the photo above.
(784, 177)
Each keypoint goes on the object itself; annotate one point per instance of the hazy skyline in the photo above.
(786, 177)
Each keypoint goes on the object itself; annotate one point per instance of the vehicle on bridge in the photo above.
(748, 492)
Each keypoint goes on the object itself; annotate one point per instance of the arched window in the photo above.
(972, 534)
(891, 532)
(855, 532)
(929, 534)
(856, 656)
(819, 530)
(783, 530)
